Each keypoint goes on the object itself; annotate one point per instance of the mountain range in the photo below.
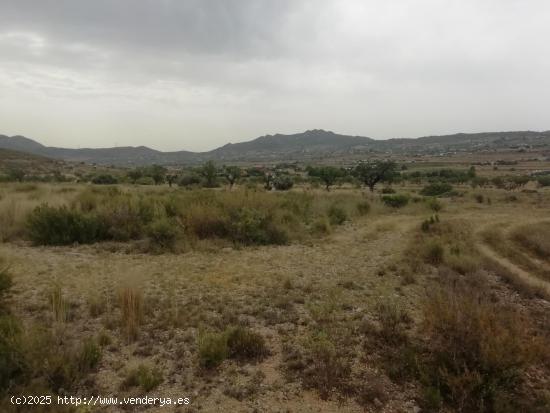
(311, 144)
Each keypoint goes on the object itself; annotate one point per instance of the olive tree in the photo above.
(232, 174)
(372, 172)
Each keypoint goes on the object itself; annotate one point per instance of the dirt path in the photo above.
(524, 275)
(513, 268)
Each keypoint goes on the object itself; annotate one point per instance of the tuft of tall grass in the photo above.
(131, 308)
(237, 342)
(58, 303)
(143, 376)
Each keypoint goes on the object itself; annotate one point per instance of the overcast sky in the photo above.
(196, 74)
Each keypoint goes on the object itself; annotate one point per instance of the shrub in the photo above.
(283, 183)
(434, 253)
(363, 208)
(477, 348)
(245, 344)
(127, 217)
(11, 358)
(213, 349)
(434, 204)
(544, 180)
(325, 368)
(337, 215)
(321, 226)
(191, 180)
(172, 207)
(235, 342)
(61, 226)
(104, 179)
(89, 356)
(206, 221)
(436, 189)
(252, 226)
(392, 318)
(395, 201)
(143, 376)
(479, 198)
(163, 233)
(145, 180)
(388, 190)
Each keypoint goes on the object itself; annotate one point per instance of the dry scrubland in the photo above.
(302, 301)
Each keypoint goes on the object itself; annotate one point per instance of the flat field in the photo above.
(255, 301)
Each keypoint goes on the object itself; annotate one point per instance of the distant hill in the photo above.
(307, 143)
(10, 159)
(11, 155)
(301, 146)
(20, 143)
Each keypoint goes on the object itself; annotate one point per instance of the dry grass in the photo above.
(58, 303)
(478, 348)
(342, 310)
(500, 242)
(131, 309)
(518, 283)
(535, 238)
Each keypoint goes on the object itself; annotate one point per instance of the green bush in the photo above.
(235, 342)
(434, 253)
(434, 205)
(191, 180)
(254, 227)
(213, 349)
(89, 356)
(104, 179)
(395, 201)
(283, 183)
(388, 190)
(145, 180)
(245, 344)
(61, 226)
(337, 215)
(127, 217)
(143, 376)
(163, 233)
(436, 189)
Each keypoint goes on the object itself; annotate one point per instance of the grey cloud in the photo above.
(176, 27)
(201, 72)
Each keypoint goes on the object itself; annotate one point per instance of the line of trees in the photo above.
(284, 176)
